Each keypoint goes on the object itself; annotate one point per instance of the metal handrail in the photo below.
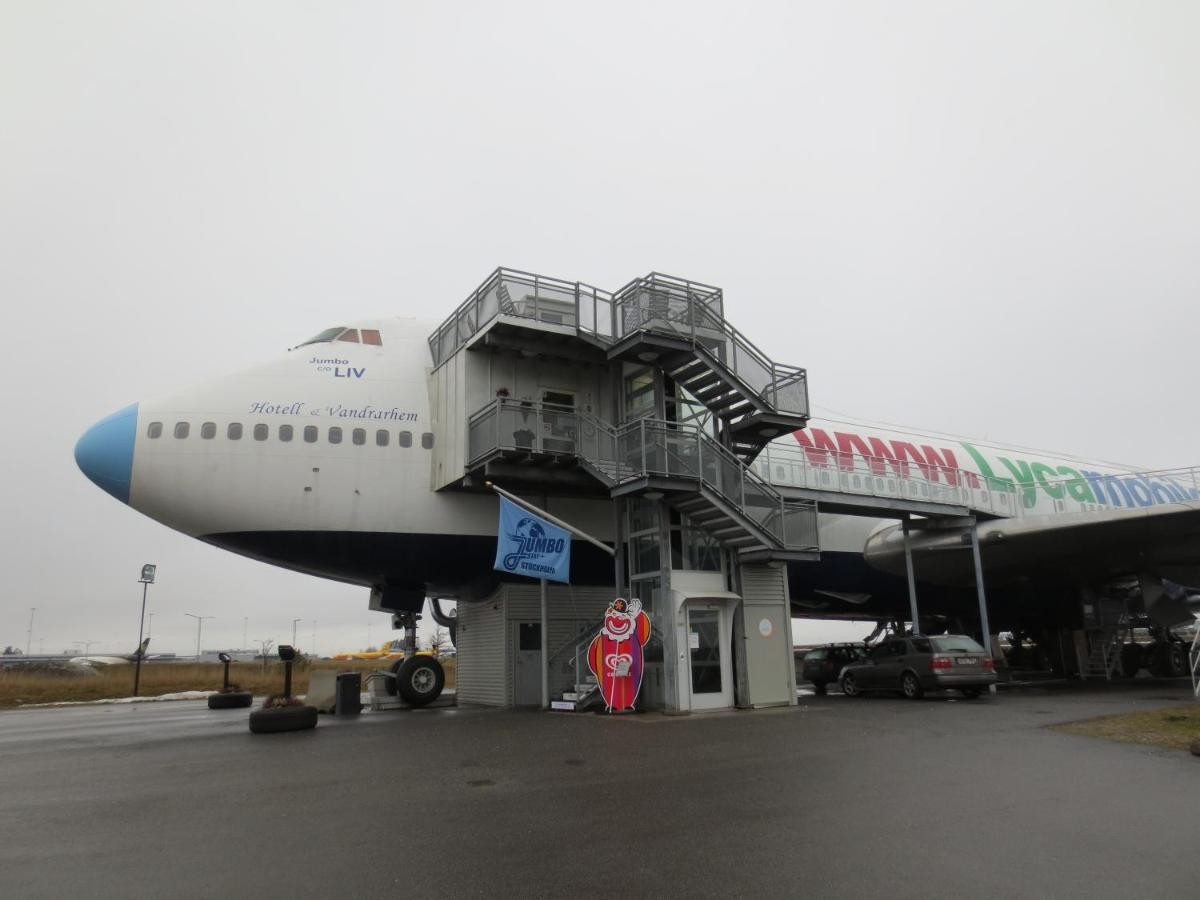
(708, 302)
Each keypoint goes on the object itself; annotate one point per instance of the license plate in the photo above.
(966, 660)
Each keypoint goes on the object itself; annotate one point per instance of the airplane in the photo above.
(93, 662)
(320, 461)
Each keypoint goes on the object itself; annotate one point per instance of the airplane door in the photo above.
(527, 664)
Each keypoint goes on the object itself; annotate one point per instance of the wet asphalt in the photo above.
(838, 797)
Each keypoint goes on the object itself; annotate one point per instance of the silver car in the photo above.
(914, 665)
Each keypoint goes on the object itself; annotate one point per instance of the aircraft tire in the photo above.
(230, 700)
(420, 680)
(283, 718)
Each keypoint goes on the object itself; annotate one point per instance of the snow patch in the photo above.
(179, 695)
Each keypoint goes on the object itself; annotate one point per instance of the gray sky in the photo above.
(963, 217)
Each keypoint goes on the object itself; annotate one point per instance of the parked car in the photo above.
(823, 665)
(914, 665)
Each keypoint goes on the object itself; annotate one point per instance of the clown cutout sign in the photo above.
(615, 654)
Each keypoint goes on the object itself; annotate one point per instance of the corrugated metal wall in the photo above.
(486, 634)
(482, 653)
(767, 626)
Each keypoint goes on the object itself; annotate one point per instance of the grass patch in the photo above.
(1173, 727)
(24, 685)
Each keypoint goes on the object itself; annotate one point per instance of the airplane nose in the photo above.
(105, 452)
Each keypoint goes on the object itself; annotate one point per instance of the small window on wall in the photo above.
(154, 430)
(335, 435)
(261, 432)
(234, 431)
(427, 441)
(182, 429)
(208, 430)
(359, 436)
(310, 434)
(404, 439)
(530, 636)
(371, 336)
(382, 437)
(285, 433)
(350, 335)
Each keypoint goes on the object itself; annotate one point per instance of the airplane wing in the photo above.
(1161, 540)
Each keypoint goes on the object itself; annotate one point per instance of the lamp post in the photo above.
(314, 641)
(87, 647)
(146, 580)
(199, 625)
(294, 621)
(29, 633)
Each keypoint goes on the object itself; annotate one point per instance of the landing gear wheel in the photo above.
(283, 718)
(911, 686)
(971, 693)
(850, 686)
(420, 680)
(230, 700)
(1176, 661)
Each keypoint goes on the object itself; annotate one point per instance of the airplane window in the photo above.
(350, 335)
(359, 436)
(427, 441)
(371, 336)
(208, 430)
(382, 436)
(310, 434)
(234, 431)
(404, 439)
(335, 435)
(261, 431)
(155, 430)
(182, 429)
(327, 335)
(285, 433)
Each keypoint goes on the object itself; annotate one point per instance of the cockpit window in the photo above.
(327, 335)
(371, 336)
(350, 336)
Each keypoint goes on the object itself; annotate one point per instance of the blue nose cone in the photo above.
(105, 452)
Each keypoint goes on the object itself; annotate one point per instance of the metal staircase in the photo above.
(1104, 654)
(680, 327)
(703, 480)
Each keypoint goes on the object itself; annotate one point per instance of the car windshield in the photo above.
(956, 644)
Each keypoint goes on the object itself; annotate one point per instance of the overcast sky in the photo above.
(975, 218)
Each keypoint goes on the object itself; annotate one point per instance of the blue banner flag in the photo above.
(529, 545)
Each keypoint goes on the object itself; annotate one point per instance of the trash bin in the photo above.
(349, 689)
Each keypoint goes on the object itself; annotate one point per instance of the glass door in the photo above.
(711, 675)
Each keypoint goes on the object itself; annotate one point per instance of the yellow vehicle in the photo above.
(389, 650)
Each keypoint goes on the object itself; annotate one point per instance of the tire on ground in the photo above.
(420, 680)
(230, 700)
(283, 718)
(1176, 660)
(910, 686)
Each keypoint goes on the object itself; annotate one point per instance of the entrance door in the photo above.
(708, 643)
(527, 664)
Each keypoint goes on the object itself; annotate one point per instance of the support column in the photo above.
(983, 616)
(912, 586)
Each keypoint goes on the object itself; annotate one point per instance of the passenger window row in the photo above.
(310, 434)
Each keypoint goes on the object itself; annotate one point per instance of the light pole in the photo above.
(314, 642)
(199, 625)
(29, 633)
(245, 630)
(149, 624)
(294, 621)
(87, 646)
(146, 580)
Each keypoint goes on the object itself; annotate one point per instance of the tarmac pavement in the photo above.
(838, 797)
